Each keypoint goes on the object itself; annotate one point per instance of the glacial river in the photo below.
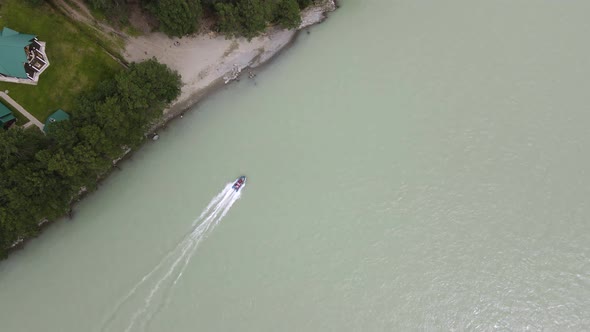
(412, 166)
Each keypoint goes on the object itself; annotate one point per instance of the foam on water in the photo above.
(159, 283)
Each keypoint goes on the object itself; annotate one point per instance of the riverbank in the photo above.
(207, 61)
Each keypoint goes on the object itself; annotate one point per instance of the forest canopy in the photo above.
(246, 18)
(41, 174)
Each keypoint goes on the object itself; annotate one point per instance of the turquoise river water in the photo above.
(412, 166)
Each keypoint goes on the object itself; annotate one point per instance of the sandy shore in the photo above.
(208, 60)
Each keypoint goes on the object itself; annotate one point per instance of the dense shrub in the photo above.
(246, 18)
(249, 18)
(41, 174)
(176, 17)
(114, 10)
(287, 14)
(35, 2)
(304, 3)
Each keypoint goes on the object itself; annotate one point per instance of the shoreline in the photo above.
(207, 62)
(192, 92)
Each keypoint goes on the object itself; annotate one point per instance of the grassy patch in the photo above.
(97, 14)
(77, 62)
(133, 31)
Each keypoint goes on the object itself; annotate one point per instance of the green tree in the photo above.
(177, 17)
(287, 14)
(28, 191)
(253, 17)
(304, 3)
(114, 10)
(228, 18)
(249, 18)
(35, 2)
(41, 174)
(151, 81)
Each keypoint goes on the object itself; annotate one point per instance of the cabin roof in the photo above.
(57, 116)
(12, 52)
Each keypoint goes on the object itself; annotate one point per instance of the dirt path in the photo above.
(80, 12)
(137, 19)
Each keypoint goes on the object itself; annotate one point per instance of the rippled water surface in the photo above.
(412, 165)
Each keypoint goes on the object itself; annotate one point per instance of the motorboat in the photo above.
(239, 183)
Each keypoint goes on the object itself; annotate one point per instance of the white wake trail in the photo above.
(212, 220)
(214, 201)
(172, 266)
(198, 239)
(197, 236)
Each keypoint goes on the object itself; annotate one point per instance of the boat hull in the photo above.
(239, 183)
